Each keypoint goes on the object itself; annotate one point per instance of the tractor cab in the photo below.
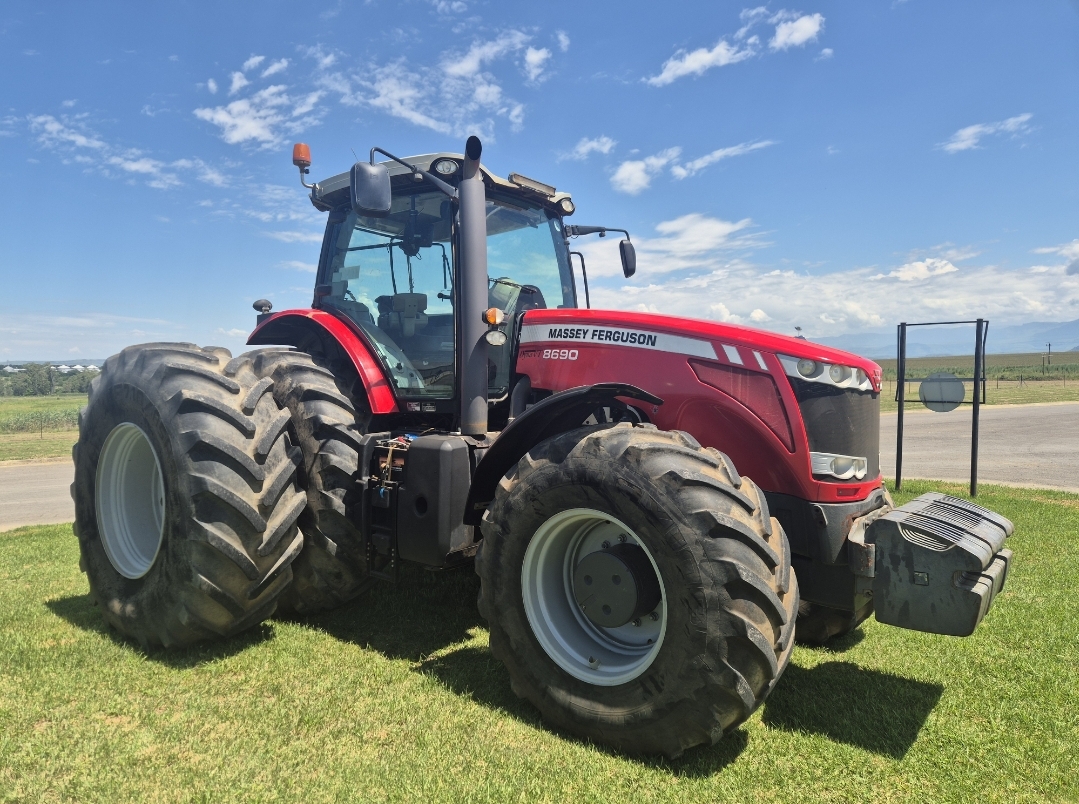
(394, 276)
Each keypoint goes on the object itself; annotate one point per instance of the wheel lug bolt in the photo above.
(622, 537)
(606, 545)
(654, 616)
(637, 623)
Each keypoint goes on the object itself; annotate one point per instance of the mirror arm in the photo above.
(576, 231)
(584, 276)
(448, 189)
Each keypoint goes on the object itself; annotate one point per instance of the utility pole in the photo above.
(1049, 346)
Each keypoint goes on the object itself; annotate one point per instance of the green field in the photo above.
(38, 427)
(396, 698)
(1028, 365)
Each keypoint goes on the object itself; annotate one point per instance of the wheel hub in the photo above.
(565, 551)
(130, 500)
(616, 585)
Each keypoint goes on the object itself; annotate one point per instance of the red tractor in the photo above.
(445, 401)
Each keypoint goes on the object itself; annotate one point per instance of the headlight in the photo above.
(841, 467)
(834, 374)
(446, 167)
(838, 373)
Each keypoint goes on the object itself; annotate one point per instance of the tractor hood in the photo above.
(697, 329)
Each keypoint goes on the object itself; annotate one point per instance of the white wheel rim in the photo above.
(130, 500)
(605, 657)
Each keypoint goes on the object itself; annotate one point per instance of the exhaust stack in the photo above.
(472, 293)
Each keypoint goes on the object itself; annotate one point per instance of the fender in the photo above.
(296, 327)
(556, 414)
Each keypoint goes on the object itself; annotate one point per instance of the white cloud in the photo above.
(68, 103)
(967, 138)
(323, 60)
(792, 29)
(68, 136)
(920, 269)
(826, 54)
(535, 60)
(470, 64)
(37, 335)
(701, 267)
(239, 81)
(795, 32)
(689, 242)
(264, 117)
(296, 237)
(697, 62)
(449, 6)
(53, 133)
(253, 62)
(563, 40)
(275, 68)
(634, 175)
(690, 168)
(584, 147)
(212, 86)
(297, 265)
(400, 93)
(461, 96)
(1066, 249)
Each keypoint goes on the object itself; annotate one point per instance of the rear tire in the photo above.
(818, 625)
(331, 570)
(185, 494)
(729, 594)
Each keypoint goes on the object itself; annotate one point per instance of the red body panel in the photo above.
(714, 418)
(351, 340)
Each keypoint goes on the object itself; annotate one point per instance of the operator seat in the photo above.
(402, 313)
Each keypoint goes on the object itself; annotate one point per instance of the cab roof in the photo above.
(333, 192)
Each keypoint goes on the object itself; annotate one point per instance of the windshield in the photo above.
(393, 277)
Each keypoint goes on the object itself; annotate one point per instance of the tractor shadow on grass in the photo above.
(472, 672)
(429, 612)
(80, 611)
(426, 612)
(868, 709)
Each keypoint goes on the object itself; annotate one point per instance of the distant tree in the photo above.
(35, 380)
(77, 382)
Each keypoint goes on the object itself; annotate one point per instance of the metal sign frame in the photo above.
(981, 331)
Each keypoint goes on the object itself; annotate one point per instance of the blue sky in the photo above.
(834, 166)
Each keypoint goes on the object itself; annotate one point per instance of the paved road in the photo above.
(36, 494)
(1030, 445)
(1035, 445)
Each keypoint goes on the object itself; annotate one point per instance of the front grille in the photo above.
(842, 421)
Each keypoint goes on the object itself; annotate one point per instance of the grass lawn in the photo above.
(12, 405)
(396, 698)
(37, 446)
(49, 443)
(997, 392)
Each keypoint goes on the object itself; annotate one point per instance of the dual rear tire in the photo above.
(186, 499)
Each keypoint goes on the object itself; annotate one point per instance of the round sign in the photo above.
(942, 392)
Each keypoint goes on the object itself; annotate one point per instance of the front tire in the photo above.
(185, 494)
(728, 603)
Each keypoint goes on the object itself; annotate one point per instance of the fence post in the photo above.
(978, 359)
(901, 386)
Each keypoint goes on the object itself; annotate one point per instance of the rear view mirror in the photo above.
(369, 190)
(629, 258)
